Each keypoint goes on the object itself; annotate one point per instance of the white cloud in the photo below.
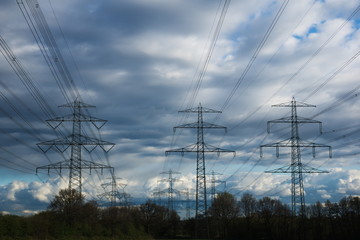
(42, 191)
(13, 188)
(349, 182)
(138, 62)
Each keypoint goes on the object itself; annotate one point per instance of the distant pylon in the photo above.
(200, 147)
(296, 167)
(115, 196)
(76, 140)
(213, 185)
(170, 190)
(186, 192)
(157, 195)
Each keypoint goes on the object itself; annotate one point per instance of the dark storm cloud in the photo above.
(137, 61)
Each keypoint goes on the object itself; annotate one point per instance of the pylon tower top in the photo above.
(296, 167)
(170, 190)
(200, 147)
(76, 140)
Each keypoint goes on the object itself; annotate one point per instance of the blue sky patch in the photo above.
(298, 37)
(357, 24)
(312, 29)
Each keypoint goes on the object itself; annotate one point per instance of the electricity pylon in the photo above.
(157, 195)
(76, 140)
(170, 190)
(186, 192)
(114, 195)
(213, 185)
(296, 167)
(200, 147)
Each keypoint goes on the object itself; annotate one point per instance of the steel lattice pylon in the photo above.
(116, 197)
(200, 147)
(213, 185)
(296, 167)
(76, 140)
(170, 190)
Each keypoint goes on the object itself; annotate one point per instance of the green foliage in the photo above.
(247, 218)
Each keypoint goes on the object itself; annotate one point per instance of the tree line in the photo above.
(69, 217)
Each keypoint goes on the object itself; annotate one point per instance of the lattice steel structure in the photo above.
(170, 190)
(200, 148)
(213, 182)
(115, 196)
(76, 141)
(296, 167)
(186, 192)
(157, 195)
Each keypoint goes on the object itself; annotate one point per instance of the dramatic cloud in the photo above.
(139, 63)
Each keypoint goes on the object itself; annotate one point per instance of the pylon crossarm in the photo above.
(301, 168)
(301, 143)
(170, 172)
(196, 125)
(67, 165)
(283, 143)
(188, 125)
(111, 194)
(68, 140)
(299, 120)
(209, 148)
(193, 148)
(291, 120)
(313, 145)
(61, 119)
(85, 164)
(87, 142)
(211, 125)
(285, 169)
(55, 122)
(44, 149)
(166, 191)
(199, 109)
(97, 122)
(307, 169)
(77, 104)
(94, 142)
(277, 145)
(58, 141)
(47, 145)
(190, 148)
(70, 118)
(293, 103)
(91, 118)
(59, 166)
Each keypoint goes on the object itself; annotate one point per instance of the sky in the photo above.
(140, 62)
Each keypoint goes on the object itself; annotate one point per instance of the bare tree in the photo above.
(223, 211)
(248, 205)
(67, 204)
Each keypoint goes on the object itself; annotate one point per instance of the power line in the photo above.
(40, 29)
(255, 54)
(209, 53)
(200, 73)
(296, 167)
(305, 64)
(200, 147)
(76, 141)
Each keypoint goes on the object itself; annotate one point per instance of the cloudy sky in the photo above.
(141, 61)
